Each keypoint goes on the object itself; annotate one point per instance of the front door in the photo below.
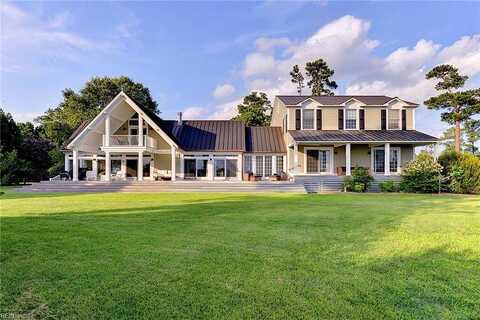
(318, 161)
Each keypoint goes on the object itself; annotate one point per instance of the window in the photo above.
(248, 164)
(308, 119)
(202, 168)
(116, 166)
(318, 161)
(146, 167)
(231, 168)
(279, 164)
(189, 168)
(393, 119)
(350, 119)
(268, 165)
(259, 165)
(394, 160)
(220, 167)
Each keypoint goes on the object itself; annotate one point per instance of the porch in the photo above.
(315, 159)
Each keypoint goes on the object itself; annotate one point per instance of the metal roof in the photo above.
(265, 139)
(360, 136)
(338, 100)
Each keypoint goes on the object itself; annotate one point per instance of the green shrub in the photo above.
(421, 174)
(359, 181)
(447, 159)
(389, 186)
(466, 174)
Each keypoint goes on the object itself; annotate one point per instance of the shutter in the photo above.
(384, 119)
(319, 119)
(340, 119)
(298, 119)
(404, 119)
(362, 119)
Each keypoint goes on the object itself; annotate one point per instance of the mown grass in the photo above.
(240, 256)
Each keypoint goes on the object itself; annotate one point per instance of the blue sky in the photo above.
(203, 57)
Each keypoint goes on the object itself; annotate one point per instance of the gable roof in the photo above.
(360, 136)
(369, 100)
(265, 139)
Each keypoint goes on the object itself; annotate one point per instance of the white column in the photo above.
(123, 167)
(107, 131)
(67, 162)
(295, 158)
(387, 159)
(75, 165)
(348, 159)
(108, 167)
(274, 164)
(140, 130)
(182, 166)
(140, 166)
(240, 167)
(210, 167)
(174, 164)
(95, 166)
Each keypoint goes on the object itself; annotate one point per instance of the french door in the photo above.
(318, 161)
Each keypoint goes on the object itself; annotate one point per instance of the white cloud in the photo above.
(224, 90)
(226, 110)
(25, 116)
(265, 43)
(192, 113)
(258, 63)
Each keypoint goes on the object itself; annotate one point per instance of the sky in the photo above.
(202, 58)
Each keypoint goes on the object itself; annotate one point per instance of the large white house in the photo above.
(309, 136)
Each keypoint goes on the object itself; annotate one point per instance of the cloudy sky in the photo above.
(203, 57)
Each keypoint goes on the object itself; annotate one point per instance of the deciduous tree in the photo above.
(255, 110)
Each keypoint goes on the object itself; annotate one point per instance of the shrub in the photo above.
(359, 181)
(388, 186)
(466, 174)
(421, 174)
(447, 159)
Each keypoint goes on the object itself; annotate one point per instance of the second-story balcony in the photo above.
(129, 141)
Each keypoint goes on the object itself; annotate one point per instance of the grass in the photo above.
(240, 256)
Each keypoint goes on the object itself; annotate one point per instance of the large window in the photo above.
(393, 119)
(231, 168)
(219, 167)
(259, 165)
(202, 168)
(268, 165)
(308, 119)
(279, 164)
(394, 160)
(248, 164)
(350, 119)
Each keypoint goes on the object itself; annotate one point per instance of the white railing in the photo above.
(130, 141)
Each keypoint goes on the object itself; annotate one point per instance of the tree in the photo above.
(297, 77)
(255, 110)
(459, 106)
(320, 74)
(448, 138)
(472, 135)
(10, 136)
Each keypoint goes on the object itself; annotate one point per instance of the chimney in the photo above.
(179, 118)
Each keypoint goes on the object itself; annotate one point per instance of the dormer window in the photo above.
(350, 119)
(308, 119)
(393, 119)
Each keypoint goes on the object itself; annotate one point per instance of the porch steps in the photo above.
(320, 184)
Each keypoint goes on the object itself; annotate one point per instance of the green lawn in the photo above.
(239, 256)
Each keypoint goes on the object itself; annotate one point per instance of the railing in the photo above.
(130, 141)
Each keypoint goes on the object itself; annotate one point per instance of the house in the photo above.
(309, 136)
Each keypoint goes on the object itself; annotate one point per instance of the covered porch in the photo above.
(316, 159)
